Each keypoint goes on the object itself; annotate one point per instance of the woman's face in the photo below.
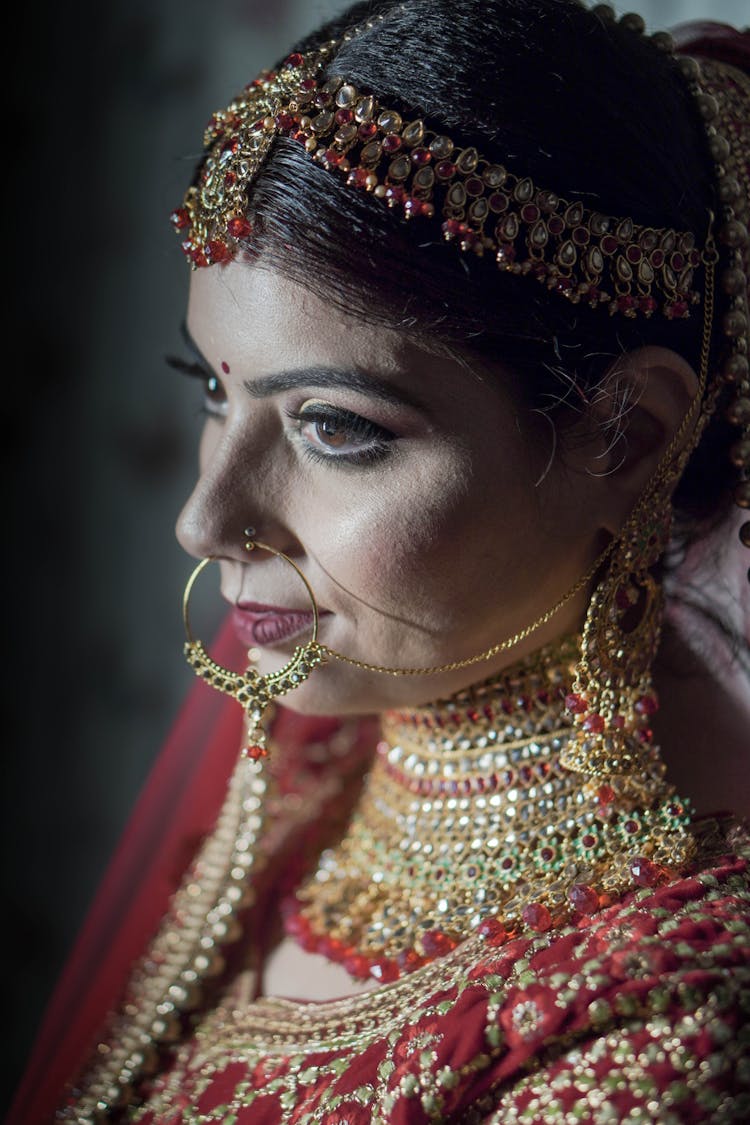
(422, 506)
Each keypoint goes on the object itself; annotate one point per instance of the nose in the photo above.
(234, 490)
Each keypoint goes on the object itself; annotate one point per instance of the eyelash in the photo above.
(353, 424)
(210, 382)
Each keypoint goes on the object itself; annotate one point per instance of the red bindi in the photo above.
(225, 367)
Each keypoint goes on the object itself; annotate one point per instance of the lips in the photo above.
(260, 625)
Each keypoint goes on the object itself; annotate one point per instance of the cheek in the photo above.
(422, 545)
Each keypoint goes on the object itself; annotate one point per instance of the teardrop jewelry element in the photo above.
(253, 691)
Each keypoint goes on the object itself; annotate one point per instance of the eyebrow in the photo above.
(327, 378)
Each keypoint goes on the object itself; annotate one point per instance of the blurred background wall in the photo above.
(106, 110)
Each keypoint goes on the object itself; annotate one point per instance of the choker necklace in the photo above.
(468, 821)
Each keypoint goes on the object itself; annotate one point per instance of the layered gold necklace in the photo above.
(469, 821)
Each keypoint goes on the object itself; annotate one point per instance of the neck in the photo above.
(469, 821)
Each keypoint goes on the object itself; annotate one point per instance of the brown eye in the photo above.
(331, 433)
(339, 436)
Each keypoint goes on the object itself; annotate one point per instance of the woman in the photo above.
(484, 462)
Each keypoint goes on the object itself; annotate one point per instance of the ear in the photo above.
(632, 417)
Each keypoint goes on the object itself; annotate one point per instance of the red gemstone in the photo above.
(384, 970)
(498, 201)
(308, 84)
(634, 254)
(576, 704)
(300, 135)
(392, 143)
(285, 122)
(344, 116)
(581, 236)
(180, 219)
(409, 960)
(530, 213)
(609, 244)
(647, 705)
(677, 310)
(333, 157)
(588, 840)
(421, 156)
(678, 262)
(367, 129)
(445, 169)
(357, 177)
(436, 944)
(564, 285)
(593, 723)
(493, 931)
(625, 302)
(555, 224)
(645, 873)
(474, 186)
(239, 227)
(310, 942)
(537, 916)
(357, 965)
(631, 826)
(220, 252)
(584, 899)
(657, 258)
(451, 228)
(506, 254)
(294, 60)
(647, 305)
(606, 794)
(336, 949)
(256, 752)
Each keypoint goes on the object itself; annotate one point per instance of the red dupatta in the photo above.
(176, 809)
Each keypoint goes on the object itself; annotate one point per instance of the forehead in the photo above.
(251, 312)
(258, 321)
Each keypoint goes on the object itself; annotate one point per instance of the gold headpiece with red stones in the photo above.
(584, 255)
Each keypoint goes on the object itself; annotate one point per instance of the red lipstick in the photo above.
(259, 625)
